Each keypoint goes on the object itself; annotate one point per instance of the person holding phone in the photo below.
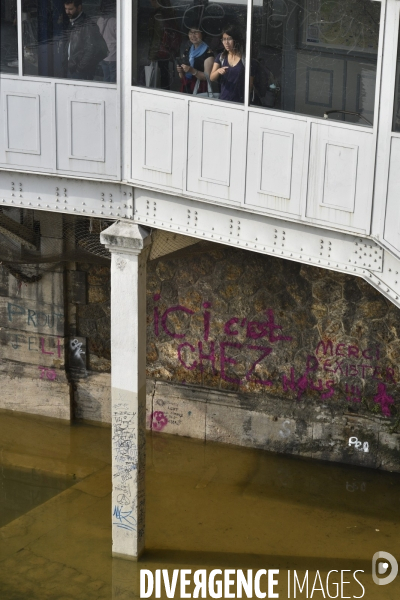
(196, 62)
(229, 66)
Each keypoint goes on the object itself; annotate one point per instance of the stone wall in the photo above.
(273, 354)
(238, 321)
(93, 318)
(263, 352)
(32, 330)
(242, 348)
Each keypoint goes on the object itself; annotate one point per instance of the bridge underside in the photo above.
(322, 247)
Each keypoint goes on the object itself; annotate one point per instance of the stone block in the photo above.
(51, 224)
(389, 451)
(30, 316)
(33, 390)
(4, 275)
(92, 397)
(77, 287)
(232, 425)
(336, 440)
(177, 415)
(50, 246)
(48, 290)
(25, 347)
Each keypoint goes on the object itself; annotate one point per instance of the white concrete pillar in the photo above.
(127, 243)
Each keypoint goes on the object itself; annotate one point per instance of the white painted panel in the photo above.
(88, 138)
(392, 220)
(276, 163)
(27, 124)
(87, 121)
(340, 178)
(158, 139)
(158, 157)
(22, 135)
(216, 152)
(216, 142)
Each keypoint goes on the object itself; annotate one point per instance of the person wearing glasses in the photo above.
(229, 66)
(197, 62)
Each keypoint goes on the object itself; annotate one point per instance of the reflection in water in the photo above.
(208, 506)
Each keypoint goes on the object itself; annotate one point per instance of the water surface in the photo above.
(208, 506)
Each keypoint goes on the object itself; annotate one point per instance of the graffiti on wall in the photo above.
(33, 318)
(333, 369)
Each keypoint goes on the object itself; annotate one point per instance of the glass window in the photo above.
(8, 37)
(73, 40)
(196, 48)
(316, 57)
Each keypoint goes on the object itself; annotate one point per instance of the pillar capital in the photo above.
(124, 237)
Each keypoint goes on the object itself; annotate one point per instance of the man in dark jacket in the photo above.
(84, 46)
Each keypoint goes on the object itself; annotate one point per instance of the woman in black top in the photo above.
(197, 60)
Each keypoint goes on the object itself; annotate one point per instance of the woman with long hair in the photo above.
(196, 63)
(229, 65)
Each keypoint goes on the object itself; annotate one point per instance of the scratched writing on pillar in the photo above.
(124, 518)
(125, 451)
(222, 355)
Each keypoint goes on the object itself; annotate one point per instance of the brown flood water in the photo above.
(208, 506)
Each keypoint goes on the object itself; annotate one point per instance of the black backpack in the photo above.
(100, 45)
(264, 88)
